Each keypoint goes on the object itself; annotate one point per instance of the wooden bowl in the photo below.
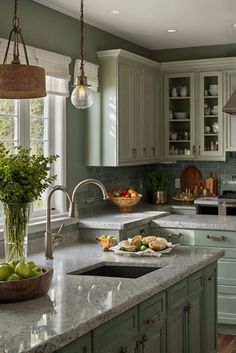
(125, 204)
(26, 289)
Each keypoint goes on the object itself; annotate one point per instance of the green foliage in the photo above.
(23, 177)
(157, 181)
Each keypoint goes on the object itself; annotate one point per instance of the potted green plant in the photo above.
(23, 178)
(157, 182)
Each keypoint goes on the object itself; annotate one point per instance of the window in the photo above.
(31, 123)
(40, 123)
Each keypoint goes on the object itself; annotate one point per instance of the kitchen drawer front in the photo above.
(81, 345)
(125, 325)
(141, 230)
(226, 271)
(181, 236)
(227, 305)
(215, 238)
(177, 295)
(152, 312)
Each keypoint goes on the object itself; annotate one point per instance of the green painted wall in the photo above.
(193, 53)
(50, 30)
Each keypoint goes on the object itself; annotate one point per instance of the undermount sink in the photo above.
(119, 271)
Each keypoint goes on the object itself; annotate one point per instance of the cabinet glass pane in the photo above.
(179, 116)
(210, 111)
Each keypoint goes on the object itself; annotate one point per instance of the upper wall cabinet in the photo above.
(230, 120)
(124, 123)
(193, 118)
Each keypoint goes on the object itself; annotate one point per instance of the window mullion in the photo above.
(24, 123)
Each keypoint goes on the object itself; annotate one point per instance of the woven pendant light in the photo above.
(20, 81)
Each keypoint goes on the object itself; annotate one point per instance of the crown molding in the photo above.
(200, 64)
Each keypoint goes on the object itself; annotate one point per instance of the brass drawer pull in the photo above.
(214, 237)
(175, 236)
(155, 318)
(123, 349)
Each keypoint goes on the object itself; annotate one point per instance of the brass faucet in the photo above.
(74, 210)
(53, 239)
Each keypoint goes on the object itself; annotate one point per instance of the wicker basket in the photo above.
(125, 204)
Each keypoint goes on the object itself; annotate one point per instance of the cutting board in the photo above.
(190, 177)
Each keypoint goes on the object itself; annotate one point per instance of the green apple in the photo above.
(36, 271)
(14, 277)
(31, 264)
(13, 264)
(22, 269)
(5, 271)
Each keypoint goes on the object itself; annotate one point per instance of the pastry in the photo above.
(137, 241)
(158, 244)
(149, 239)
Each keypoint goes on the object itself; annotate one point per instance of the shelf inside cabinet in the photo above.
(179, 120)
(211, 135)
(209, 97)
(182, 141)
(210, 116)
(177, 98)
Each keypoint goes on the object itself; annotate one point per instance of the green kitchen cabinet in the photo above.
(185, 316)
(81, 345)
(152, 325)
(128, 111)
(210, 309)
(119, 335)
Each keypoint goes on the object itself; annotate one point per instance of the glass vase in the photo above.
(16, 225)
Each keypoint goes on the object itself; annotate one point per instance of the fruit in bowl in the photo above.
(106, 242)
(125, 199)
(21, 281)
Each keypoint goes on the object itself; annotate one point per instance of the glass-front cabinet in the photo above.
(210, 115)
(179, 116)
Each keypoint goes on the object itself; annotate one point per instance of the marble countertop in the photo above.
(118, 220)
(197, 222)
(77, 304)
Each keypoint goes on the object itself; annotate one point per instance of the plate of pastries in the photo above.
(144, 246)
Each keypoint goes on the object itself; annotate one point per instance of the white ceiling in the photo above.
(199, 22)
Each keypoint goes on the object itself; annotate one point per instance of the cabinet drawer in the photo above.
(181, 236)
(177, 295)
(125, 325)
(142, 230)
(153, 311)
(226, 272)
(215, 238)
(81, 345)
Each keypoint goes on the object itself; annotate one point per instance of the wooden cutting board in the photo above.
(190, 177)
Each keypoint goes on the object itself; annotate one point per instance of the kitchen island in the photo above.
(76, 305)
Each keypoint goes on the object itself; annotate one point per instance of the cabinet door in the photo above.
(210, 310)
(194, 313)
(177, 300)
(124, 112)
(137, 113)
(210, 129)
(152, 324)
(230, 119)
(119, 335)
(150, 139)
(81, 345)
(179, 116)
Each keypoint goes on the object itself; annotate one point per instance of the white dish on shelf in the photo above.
(181, 115)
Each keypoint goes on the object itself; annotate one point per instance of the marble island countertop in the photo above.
(227, 223)
(76, 305)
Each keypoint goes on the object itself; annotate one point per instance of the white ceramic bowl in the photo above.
(181, 115)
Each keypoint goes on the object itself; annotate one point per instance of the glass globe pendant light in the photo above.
(81, 97)
(20, 81)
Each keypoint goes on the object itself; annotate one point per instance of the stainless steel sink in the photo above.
(119, 271)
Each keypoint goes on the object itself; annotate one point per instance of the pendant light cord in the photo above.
(82, 37)
(16, 31)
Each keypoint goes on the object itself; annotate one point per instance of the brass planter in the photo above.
(159, 197)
